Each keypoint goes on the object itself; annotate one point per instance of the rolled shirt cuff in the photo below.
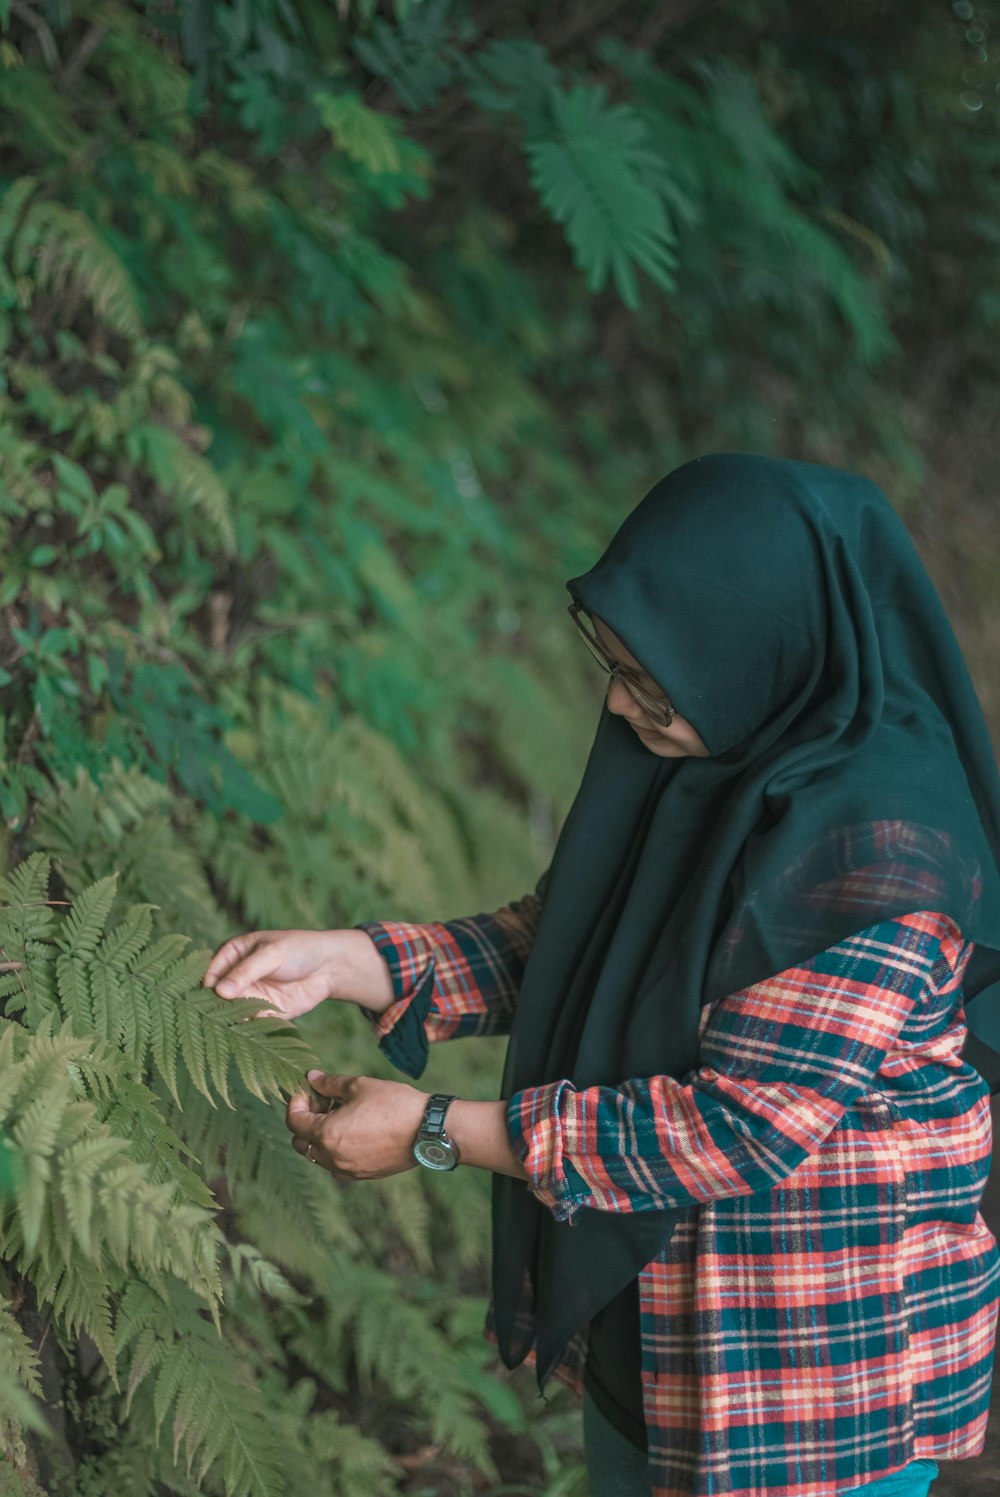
(400, 1029)
(537, 1132)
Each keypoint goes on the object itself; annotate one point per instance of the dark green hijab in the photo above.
(784, 610)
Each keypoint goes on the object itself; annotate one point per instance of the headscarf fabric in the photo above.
(785, 611)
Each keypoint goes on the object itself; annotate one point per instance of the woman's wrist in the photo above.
(480, 1131)
(358, 972)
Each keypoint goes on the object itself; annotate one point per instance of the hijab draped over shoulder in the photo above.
(783, 608)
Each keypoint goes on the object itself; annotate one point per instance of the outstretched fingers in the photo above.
(240, 963)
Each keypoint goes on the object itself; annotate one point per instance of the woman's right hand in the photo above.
(295, 970)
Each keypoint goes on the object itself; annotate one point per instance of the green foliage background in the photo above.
(335, 337)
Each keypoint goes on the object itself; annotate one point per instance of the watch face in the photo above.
(435, 1154)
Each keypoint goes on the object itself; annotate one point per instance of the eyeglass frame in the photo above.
(622, 673)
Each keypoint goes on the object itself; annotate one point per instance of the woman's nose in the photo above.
(621, 700)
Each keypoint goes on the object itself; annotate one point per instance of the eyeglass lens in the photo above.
(660, 712)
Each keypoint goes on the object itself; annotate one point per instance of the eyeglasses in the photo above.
(660, 709)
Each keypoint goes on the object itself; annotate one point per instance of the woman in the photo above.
(744, 1131)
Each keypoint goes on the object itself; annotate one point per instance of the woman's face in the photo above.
(676, 742)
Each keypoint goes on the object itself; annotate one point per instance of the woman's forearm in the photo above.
(361, 975)
(480, 1131)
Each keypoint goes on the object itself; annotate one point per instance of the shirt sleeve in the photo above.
(781, 1061)
(451, 978)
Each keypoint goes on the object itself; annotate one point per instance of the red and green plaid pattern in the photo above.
(452, 978)
(826, 1310)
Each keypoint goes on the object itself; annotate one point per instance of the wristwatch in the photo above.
(432, 1147)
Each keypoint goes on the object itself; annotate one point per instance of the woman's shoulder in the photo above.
(940, 936)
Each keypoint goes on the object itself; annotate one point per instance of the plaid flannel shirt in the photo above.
(826, 1310)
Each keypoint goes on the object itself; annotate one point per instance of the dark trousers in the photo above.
(617, 1468)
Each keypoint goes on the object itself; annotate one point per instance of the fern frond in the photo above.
(146, 79)
(163, 1041)
(218, 1413)
(251, 1149)
(169, 171)
(514, 74)
(362, 133)
(125, 825)
(409, 1208)
(122, 945)
(133, 1113)
(11, 207)
(269, 1054)
(20, 1385)
(17, 1353)
(362, 1465)
(80, 1164)
(83, 1303)
(75, 1186)
(413, 56)
(593, 177)
(62, 249)
(74, 991)
(28, 883)
(84, 926)
(44, 112)
(266, 1276)
(188, 477)
(395, 1340)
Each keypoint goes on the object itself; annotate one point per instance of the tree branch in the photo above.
(92, 39)
(39, 26)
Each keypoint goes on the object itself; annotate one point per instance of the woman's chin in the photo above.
(659, 743)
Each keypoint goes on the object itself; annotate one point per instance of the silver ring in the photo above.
(309, 1152)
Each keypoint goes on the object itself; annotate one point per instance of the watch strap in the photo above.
(432, 1125)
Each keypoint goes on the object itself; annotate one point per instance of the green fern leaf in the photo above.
(62, 249)
(409, 1208)
(270, 1055)
(173, 1373)
(82, 1301)
(362, 133)
(267, 1277)
(12, 985)
(187, 476)
(185, 974)
(414, 57)
(11, 206)
(362, 1465)
(19, 1379)
(34, 1135)
(18, 1352)
(140, 1306)
(134, 1030)
(514, 74)
(74, 991)
(28, 883)
(191, 1032)
(196, 1395)
(80, 932)
(155, 963)
(107, 994)
(148, 1354)
(124, 943)
(215, 1044)
(37, 1129)
(80, 1163)
(593, 178)
(163, 1042)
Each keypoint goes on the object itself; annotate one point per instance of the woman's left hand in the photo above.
(368, 1132)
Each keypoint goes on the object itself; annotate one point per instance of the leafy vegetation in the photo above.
(335, 338)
